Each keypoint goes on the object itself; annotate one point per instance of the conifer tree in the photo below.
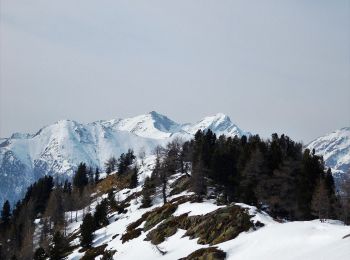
(40, 254)
(111, 200)
(97, 175)
(86, 230)
(59, 247)
(133, 179)
(100, 215)
(110, 165)
(67, 188)
(107, 255)
(80, 179)
(147, 192)
(163, 176)
(329, 182)
(6, 213)
(125, 161)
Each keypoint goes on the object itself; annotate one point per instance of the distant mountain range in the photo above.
(57, 149)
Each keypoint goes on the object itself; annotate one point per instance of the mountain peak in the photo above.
(219, 123)
(155, 114)
(56, 149)
(222, 115)
(335, 149)
(219, 117)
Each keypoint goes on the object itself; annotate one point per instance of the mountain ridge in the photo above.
(58, 148)
(335, 149)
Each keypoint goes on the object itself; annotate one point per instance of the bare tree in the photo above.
(345, 199)
(159, 175)
(27, 244)
(142, 155)
(320, 203)
(26, 217)
(197, 179)
(173, 154)
(55, 210)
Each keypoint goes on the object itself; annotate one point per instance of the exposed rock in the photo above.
(93, 252)
(210, 253)
(216, 227)
(180, 185)
(220, 225)
(131, 234)
(166, 229)
(159, 214)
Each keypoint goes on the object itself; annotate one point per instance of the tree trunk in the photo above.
(164, 192)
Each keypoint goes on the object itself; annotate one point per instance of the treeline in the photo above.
(56, 205)
(275, 175)
(47, 201)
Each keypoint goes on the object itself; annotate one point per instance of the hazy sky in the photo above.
(272, 66)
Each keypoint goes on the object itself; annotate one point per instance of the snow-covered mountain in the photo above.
(58, 148)
(335, 149)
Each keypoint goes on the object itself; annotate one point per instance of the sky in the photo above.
(272, 66)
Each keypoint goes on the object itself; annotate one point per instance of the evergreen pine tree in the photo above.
(86, 230)
(40, 254)
(100, 215)
(97, 175)
(6, 213)
(147, 192)
(110, 165)
(111, 200)
(108, 255)
(80, 179)
(67, 188)
(133, 179)
(58, 247)
(125, 160)
(329, 182)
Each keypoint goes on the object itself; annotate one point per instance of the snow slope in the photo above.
(57, 149)
(292, 241)
(310, 240)
(335, 149)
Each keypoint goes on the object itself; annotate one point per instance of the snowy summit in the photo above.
(57, 149)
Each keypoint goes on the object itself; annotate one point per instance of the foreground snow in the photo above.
(293, 240)
(310, 240)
